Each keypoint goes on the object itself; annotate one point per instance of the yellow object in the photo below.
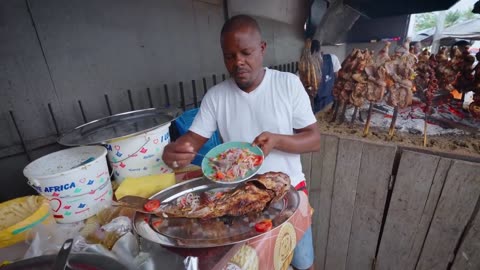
(246, 258)
(19, 215)
(145, 186)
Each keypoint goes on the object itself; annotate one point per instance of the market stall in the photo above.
(101, 194)
(406, 92)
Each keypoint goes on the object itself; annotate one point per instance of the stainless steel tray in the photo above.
(118, 126)
(196, 233)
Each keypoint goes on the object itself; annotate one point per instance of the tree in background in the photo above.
(429, 20)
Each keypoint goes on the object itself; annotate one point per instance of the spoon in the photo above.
(137, 203)
(218, 163)
(62, 256)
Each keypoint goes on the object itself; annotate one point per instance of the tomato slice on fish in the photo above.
(264, 226)
(218, 195)
(151, 205)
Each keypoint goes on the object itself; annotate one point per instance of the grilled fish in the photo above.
(252, 197)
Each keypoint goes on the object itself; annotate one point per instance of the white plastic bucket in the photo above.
(139, 155)
(77, 208)
(79, 173)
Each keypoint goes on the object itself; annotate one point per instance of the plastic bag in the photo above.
(48, 239)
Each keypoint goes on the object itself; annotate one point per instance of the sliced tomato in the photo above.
(151, 205)
(219, 175)
(258, 160)
(230, 174)
(157, 223)
(264, 226)
(218, 195)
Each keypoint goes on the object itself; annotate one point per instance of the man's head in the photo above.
(243, 51)
(462, 45)
(416, 47)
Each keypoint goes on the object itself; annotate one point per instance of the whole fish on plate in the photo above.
(250, 197)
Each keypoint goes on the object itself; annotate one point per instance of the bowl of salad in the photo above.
(232, 162)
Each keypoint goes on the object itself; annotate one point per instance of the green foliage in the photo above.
(425, 21)
(451, 17)
(429, 20)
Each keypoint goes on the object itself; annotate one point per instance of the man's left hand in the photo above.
(266, 141)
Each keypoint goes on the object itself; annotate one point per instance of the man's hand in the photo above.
(178, 154)
(266, 141)
(303, 140)
(181, 152)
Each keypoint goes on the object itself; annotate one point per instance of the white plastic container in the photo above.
(77, 208)
(139, 155)
(78, 175)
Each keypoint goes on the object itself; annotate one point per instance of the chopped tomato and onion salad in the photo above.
(240, 162)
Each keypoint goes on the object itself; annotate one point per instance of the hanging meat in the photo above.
(310, 70)
(360, 78)
(446, 70)
(401, 72)
(425, 71)
(344, 84)
(474, 107)
(465, 76)
(377, 81)
(400, 92)
(355, 87)
(429, 84)
(377, 75)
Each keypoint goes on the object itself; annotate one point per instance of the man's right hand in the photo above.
(178, 154)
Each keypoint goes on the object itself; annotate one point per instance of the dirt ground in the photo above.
(458, 144)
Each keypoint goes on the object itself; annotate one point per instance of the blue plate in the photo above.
(208, 171)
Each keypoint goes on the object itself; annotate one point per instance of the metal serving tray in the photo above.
(197, 233)
(118, 126)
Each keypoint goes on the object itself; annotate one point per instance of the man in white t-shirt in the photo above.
(269, 108)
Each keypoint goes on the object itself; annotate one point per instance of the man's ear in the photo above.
(263, 46)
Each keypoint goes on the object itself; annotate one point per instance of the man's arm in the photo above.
(181, 152)
(304, 140)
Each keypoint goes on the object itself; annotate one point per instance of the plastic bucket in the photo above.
(76, 208)
(139, 155)
(76, 173)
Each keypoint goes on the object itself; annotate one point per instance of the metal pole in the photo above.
(438, 32)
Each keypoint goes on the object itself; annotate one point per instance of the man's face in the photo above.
(243, 52)
(418, 48)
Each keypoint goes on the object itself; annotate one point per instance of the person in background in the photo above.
(415, 47)
(269, 108)
(462, 45)
(330, 67)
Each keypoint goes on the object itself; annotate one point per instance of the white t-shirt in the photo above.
(336, 63)
(278, 105)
